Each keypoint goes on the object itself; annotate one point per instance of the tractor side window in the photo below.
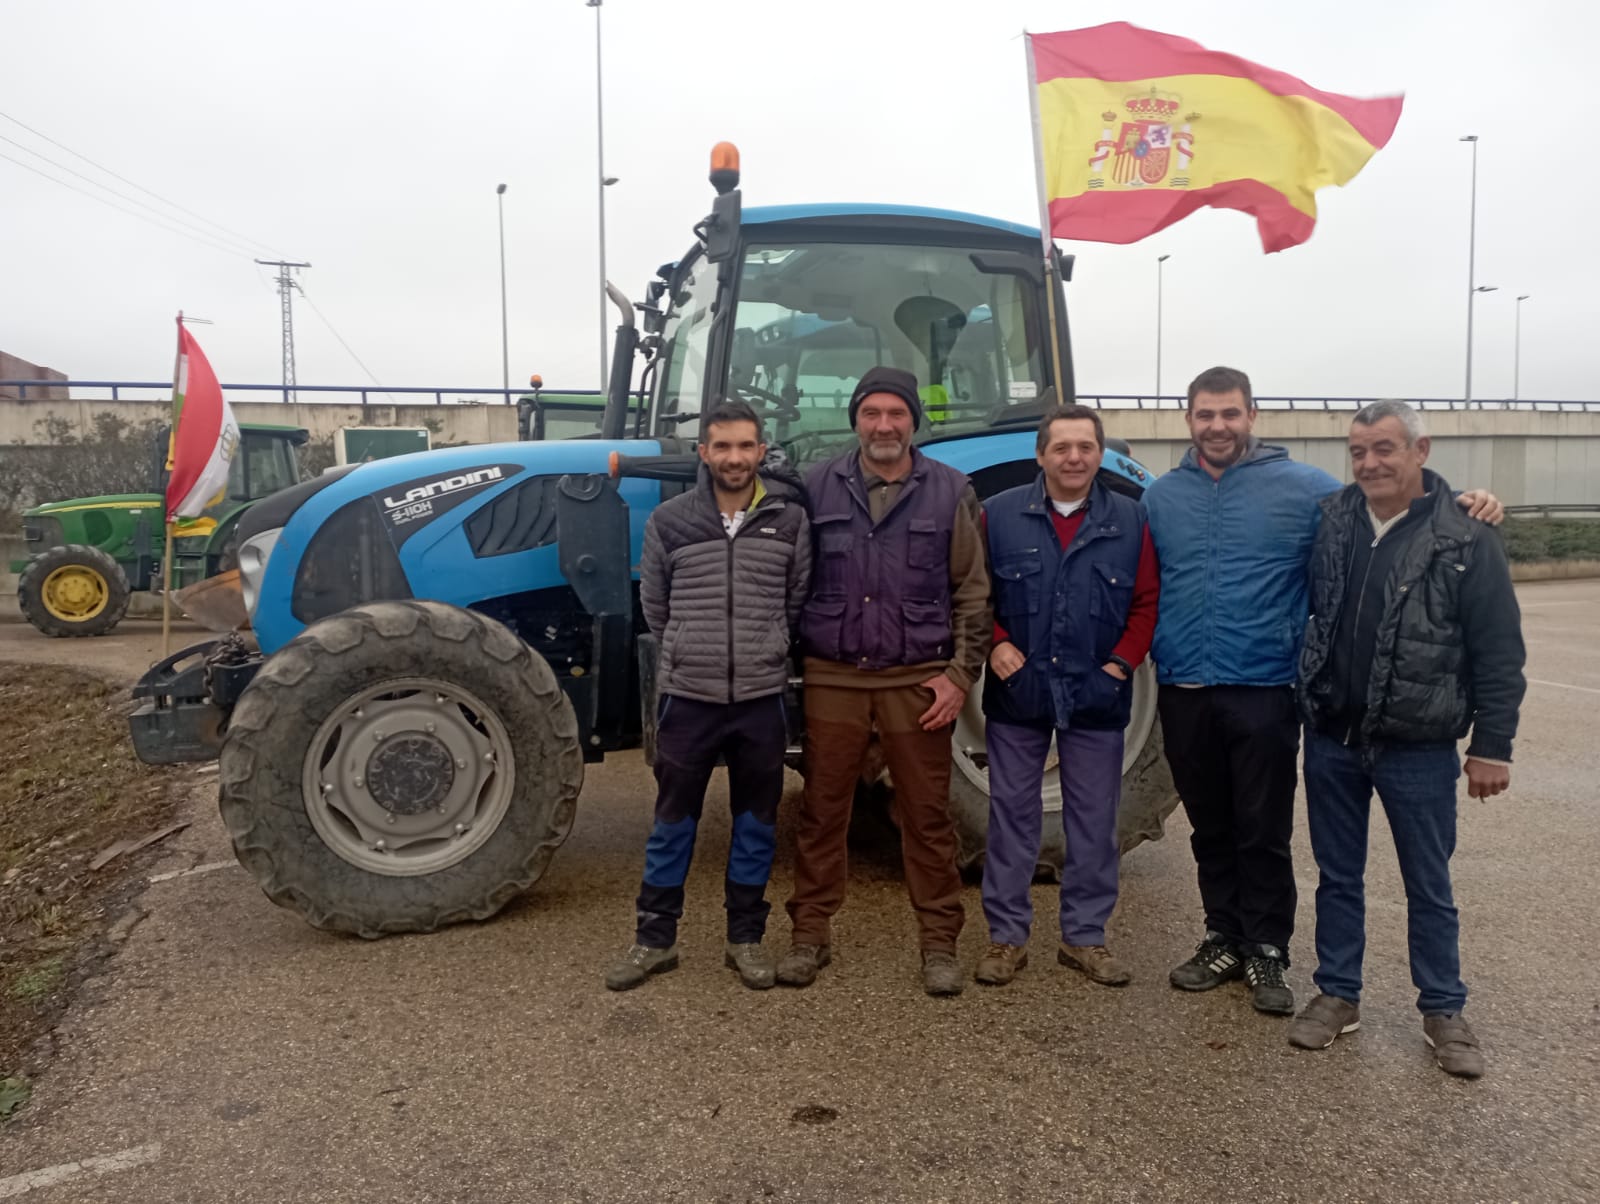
(685, 338)
(269, 464)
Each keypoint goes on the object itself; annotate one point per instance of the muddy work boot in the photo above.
(800, 965)
(754, 964)
(941, 975)
(1325, 1020)
(1455, 1045)
(638, 964)
(1216, 961)
(1001, 964)
(1096, 962)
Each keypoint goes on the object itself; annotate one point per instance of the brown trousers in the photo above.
(839, 724)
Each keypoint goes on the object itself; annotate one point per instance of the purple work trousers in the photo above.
(1091, 787)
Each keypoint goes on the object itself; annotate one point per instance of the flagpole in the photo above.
(1052, 278)
(166, 512)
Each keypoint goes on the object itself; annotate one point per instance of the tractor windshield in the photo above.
(812, 317)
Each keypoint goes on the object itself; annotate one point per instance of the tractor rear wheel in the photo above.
(400, 767)
(73, 590)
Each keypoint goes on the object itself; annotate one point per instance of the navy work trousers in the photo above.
(690, 736)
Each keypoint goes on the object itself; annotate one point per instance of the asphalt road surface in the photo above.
(232, 1053)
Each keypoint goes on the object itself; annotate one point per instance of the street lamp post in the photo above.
(1160, 259)
(1516, 353)
(505, 344)
(1472, 246)
(600, 168)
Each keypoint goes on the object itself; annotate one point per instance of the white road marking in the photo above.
(207, 868)
(100, 1164)
(1561, 685)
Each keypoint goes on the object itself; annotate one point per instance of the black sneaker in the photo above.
(1268, 992)
(1216, 960)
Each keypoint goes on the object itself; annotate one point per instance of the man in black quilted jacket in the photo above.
(721, 582)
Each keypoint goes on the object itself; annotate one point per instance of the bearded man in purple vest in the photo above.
(895, 632)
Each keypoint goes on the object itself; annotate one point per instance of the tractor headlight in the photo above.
(253, 555)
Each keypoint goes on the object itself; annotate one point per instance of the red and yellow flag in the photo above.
(1135, 129)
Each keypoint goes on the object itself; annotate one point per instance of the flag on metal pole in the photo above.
(1135, 130)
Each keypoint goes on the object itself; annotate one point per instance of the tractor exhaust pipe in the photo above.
(614, 420)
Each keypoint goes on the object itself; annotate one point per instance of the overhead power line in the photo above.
(243, 248)
(340, 338)
(144, 217)
(133, 184)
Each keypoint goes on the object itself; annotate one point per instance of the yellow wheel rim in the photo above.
(75, 593)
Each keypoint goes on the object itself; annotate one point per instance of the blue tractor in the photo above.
(445, 638)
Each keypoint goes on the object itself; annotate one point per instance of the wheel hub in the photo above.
(410, 774)
(74, 593)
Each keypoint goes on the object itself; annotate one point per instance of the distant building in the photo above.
(12, 368)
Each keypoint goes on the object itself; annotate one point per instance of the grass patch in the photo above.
(69, 787)
(1552, 538)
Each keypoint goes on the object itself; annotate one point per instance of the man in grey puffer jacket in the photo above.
(721, 582)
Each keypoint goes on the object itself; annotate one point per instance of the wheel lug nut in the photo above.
(359, 784)
(379, 845)
(391, 819)
(377, 737)
(461, 762)
(461, 829)
(430, 728)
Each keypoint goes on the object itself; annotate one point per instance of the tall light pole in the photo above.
(1472, 247)
(1516, 353)
(505, 344)
(1160, 259)
(600, 176)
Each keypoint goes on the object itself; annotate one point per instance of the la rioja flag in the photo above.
(205, 436)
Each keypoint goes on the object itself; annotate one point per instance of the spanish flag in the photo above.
(1134, 130)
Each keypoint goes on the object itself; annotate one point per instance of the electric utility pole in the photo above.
(286, 286)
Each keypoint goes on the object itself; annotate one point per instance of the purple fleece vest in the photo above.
(880, 592)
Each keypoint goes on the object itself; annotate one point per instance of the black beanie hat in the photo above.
(888, 380)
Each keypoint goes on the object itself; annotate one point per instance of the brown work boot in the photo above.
(1097, 962)
(1000, 964)
(1455, 1045)
(941, 975)
(1325, 1020)
(800, 965)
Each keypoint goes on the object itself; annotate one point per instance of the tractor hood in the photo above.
(461, 525)
(130, 501)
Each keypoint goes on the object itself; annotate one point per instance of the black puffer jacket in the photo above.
(724, 609)
(1441, 626)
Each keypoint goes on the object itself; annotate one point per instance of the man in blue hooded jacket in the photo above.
(1233, 526)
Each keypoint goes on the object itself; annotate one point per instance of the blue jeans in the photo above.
(1417, 785)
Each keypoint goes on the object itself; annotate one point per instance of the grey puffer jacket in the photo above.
(725, 608)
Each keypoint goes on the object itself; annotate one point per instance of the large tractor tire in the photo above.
(1148, 795)
(400, 767)
(73, 590)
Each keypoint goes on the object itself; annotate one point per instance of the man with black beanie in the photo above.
(895, 633)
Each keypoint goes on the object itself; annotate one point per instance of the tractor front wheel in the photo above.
(73, 590)
(399, 767)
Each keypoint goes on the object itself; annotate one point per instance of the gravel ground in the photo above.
(268, 1061)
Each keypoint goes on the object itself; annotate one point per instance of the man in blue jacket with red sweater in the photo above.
(1233, 526)
(1075, 592)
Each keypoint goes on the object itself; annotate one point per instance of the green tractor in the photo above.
(87, 556)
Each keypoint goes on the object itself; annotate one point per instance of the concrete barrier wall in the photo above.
(1525, 457)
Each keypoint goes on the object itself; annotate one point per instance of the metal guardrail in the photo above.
(491, 396)
(1537, 510)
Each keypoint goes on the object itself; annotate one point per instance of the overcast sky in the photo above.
(367, 138)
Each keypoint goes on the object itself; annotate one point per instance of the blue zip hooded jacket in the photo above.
(1235, 552)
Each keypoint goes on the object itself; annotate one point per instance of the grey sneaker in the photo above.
(941, 975)
(1096, 962)
(800, 965)
(1325, 1019)
(1000, 964)
(638, 964)
(754, 964)
(1216, 960)
(1455, 1045)
(1268, 991)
